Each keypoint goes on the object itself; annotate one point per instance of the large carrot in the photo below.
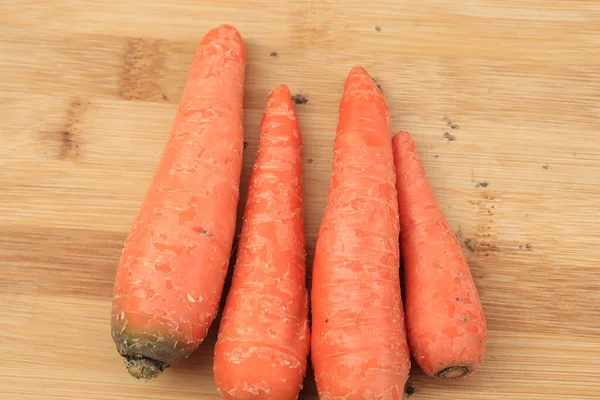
(264, 339)
(174, 262)
(359, 348)
(444, 317)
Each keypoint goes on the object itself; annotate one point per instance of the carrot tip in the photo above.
(143, 367)
(453, 372)
(358, 71)
(282, 92)
(229, 36)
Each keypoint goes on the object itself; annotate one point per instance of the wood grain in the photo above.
(503, 99)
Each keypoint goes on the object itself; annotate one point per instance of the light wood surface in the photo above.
(88, 93)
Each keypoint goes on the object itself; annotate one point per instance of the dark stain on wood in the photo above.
(482, 241)
(143, 63)
(69, 137)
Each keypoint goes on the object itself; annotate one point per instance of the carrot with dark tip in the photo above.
(359, 348)
(446, 325)
(263, 343)
(174, 262)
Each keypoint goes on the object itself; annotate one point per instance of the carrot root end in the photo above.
(141, 367)
(453, 372)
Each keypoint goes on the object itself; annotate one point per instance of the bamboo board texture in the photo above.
(503, 99)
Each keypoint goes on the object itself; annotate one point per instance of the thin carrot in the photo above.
(173, 266)
(264, 338)
(446, 326)
(359, 348)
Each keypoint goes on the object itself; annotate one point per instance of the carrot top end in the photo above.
(454, 372)
(144, 368)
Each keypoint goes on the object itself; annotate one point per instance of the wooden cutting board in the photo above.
(503, 98)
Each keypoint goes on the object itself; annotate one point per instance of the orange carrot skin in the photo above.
(445, 321)
(359, 347)
(174, 262)
(264, 338)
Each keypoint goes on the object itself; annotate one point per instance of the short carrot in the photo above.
(174, 262)
(359, 348)
(446, 326)
(264, 339)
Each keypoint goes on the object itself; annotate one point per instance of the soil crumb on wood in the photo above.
(482, 184)
(449, 136)
(450, 124)
(299, 99)
(469, 246)
(378, 85)
(377, 29)
(273, 54)
(310, 161)
(545, 166)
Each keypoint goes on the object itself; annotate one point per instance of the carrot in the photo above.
(359, 348)
(264, 337)
(174, 262)
(446, 326)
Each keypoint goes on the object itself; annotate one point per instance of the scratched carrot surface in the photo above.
(174, 262)
(446, 326)
(264, 339)
(359, 348)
